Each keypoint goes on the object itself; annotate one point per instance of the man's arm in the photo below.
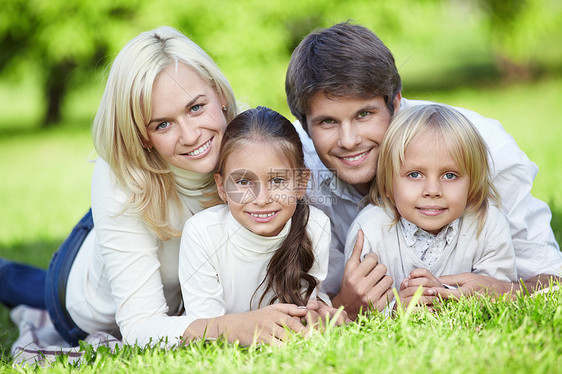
(470, 284)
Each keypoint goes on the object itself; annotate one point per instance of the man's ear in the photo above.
(396, 102)
(302, 177)
(220, 187)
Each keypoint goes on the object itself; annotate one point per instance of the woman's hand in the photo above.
(271, 324)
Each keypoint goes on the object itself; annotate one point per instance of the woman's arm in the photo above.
(131, 266)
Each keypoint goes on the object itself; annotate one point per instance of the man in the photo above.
(343, 87)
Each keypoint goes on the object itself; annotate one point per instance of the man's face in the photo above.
(347, 133)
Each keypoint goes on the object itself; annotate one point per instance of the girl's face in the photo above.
(430, 191)
(187, 123)
(260, 187)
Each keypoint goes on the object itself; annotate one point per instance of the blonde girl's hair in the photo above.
(461, 138)
(287, 271)
(119, 128)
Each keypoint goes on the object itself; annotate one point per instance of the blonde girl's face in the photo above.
(430, 190)
(260, 187)
(187, 122)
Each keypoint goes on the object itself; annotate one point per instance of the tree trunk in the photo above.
(55, 89)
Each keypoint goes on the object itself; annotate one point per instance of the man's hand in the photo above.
(363, 282)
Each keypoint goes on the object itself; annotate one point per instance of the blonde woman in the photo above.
(434, 210)
(157, 132)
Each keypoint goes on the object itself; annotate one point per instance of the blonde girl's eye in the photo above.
(450, 176)
(414, 174)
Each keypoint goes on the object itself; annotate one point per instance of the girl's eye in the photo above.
(450, 176)
(277, 180)
(414, 174)
(163, 125)
(243, 182)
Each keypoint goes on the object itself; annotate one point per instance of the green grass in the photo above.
(468, 336)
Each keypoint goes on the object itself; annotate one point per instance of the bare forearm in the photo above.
(207, 328)
(267, 324)
(540, 281)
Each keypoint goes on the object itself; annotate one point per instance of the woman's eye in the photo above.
(450, 176)
(163, 125)
(243, 182)
(277, 180)
(196, 108)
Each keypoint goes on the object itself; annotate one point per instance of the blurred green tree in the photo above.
(517, 28)
(61, 40)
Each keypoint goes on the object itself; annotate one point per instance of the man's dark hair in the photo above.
(344, 60)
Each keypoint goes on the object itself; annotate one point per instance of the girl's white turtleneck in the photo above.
(222, 263)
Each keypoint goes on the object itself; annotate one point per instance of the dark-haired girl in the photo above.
(265, 245)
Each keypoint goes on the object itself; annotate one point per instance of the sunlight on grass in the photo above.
(466, 336)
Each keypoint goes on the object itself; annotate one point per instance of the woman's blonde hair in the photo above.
(464, 143)
(119, 128)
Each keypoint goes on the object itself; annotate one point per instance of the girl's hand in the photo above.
(271, 325)
(324, 313)
(419, 277)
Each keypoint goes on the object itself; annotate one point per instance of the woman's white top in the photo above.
(222, 263)
(124, 279)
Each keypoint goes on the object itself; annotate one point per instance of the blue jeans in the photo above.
(24, 284)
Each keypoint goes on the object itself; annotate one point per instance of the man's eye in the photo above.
(363, 114)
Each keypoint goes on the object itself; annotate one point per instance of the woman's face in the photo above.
(187, 122)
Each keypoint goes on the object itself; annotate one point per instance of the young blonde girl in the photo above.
(433, 207)
(266, 245)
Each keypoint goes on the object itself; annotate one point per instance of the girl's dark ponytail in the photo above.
(287, 271)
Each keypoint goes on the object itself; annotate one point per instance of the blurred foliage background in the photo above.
(59, 47)
(500, 58)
